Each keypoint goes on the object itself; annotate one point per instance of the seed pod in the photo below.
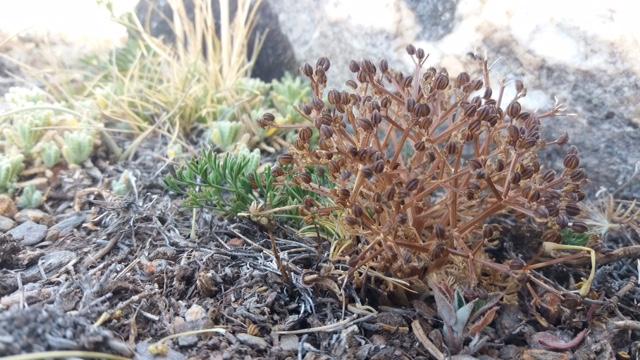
(422, 110)
(500, 165)
(307, 70)
(571, 161)
(410, 103)
(350, 220)
(580, 195)
(440, 232)
(352, 84)
(552, 236)
(578, 175)
(367, 172)
(420, 146)
(344, 193)
(572, 209)
(385, 102)
(519, 86)
(563, 139)
(475, 164)
(562, 221)
(514, 133)
(267, 120)
(484, 113)
(353, 66)
(326, 131)
(514, 109)
(470, 110)
(304, 178)
(431, 157)
(384, 66)
(420, 54)
(309, 203)
(411, 50)
(306, 109)
(441, 82)
(412, 184)
(357, 211)
(534, 196)
(579, 227)
(452, 147)
(305, 134)
(369, 67)
(516, 178)
(526, 172)
(318, 104)
(277, 171)
(406, 83)
(390, 194)
(425, 123)
(478, 84)
(541, 213)
(378, 167)
(333, 97)
(345, 175)
(365, 124)
(323, 63)
(473, 127)
(285, 159)
(487, 93)
(549, 176)
(463, 79)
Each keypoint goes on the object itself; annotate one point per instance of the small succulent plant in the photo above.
(125, 184)
(50, 154)
(30, 198)
(461, 318)
(225, 134)
(77, 147)
(286, 93)
(10, 167)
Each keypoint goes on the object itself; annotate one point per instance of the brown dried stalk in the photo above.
(420, 161)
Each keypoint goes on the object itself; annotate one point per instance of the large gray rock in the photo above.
(586, 59)
(275, 58)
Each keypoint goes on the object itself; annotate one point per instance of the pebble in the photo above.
(289, 343)
(29, 233)
(6, 223)
(195, 313)
(66, 226)
(34, 215)
(253, 341)
(7, 206)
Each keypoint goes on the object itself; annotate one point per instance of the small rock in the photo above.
(65, 227)
(253, 341)
(187, 341)
(6, 223)
(195, 313)
(34, 215)
(289, 343)
(7, 206)
(29, 233)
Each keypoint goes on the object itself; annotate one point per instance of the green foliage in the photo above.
(125, 184)
(225, 134)
(10, 168)
(286, 94)
(30, 198)
(231, 183)
(570, 237)
(77, 147)
(50, 154)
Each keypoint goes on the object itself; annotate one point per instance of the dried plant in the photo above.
(420, 161)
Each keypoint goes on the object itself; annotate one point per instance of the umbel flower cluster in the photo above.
(419, 162)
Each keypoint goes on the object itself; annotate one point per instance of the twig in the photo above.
(418, 331)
